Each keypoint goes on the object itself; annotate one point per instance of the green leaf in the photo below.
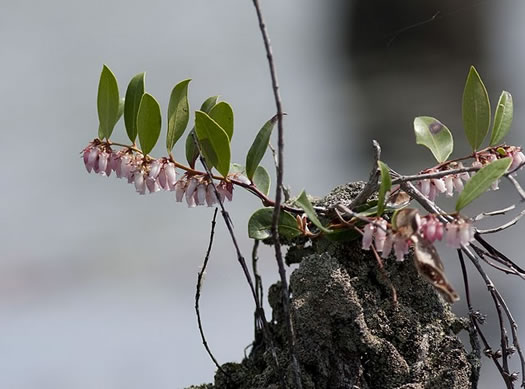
(236, 168)
(178, 113)
(345, 234)
(107, 102)
(260, 224)
(222, 113)
(386, 184)
(131, 108)
(502, 119)
(261, 180)
(433, 134)
(303, 202)
(209, 103)
(192, 153)
(475, 109)
(259, 146)
(481, 181)
(148, 122)
(121, 104)
(215, 144)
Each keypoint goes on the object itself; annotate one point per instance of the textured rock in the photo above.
(351, 334)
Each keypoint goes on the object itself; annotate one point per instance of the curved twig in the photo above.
(278, 197)
(198, 295)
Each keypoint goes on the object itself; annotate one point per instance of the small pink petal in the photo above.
(201, 194)
(458, 184)
(171, 175)
(180, 189)
(449, 185)
(154, 169)
(368, 233)
(425, 187)
(140, 184)
(92, 159)
(211, 198)
(387, 246)
(440, 185)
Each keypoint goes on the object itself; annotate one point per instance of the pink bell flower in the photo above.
(368, 234)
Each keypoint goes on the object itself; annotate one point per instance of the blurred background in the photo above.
(97, 283)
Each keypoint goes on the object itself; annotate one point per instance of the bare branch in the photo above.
(371, 186)
(198, 295)
(503, 226)
(497, 303)
(517, 185)
(494, 213)
(278, 199)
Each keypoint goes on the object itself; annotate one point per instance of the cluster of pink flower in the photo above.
(153, 175)
(430, 188)
(456, 233)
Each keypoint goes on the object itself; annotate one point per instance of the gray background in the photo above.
(96, 282)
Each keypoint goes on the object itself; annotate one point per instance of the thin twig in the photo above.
(278, 199)
(258, 280)
(371, 186)
(198, 295)
(517, 185)
(496, 253)
(494, 294)
(503, 226)
(505, 268)
(433, 175)
(474, 315)
(494, 213)
(241, 260)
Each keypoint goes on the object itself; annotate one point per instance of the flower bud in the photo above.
(103, 157)
(368, 233)
(201, 194)
(171, 175)
(92, 159)
(387, 246)
(449, 185)
(180, 188)
(380, 234)
(190, 189)
(211, 198)
(140, 183)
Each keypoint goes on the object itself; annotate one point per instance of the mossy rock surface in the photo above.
(351, 334)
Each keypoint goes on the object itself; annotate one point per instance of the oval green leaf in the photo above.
(178, 113)
(503, 118)
(434, 135)
(260, 224)
(121, 104)
(386, 184)
(475, 109)
(107, 102)
(148, 122)
(481, 181)
(222, 113)
(209, 103)
(192, 152)
(215, 144)
(131, 107)
(261, 179)
(259, 146)
(303, 202)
